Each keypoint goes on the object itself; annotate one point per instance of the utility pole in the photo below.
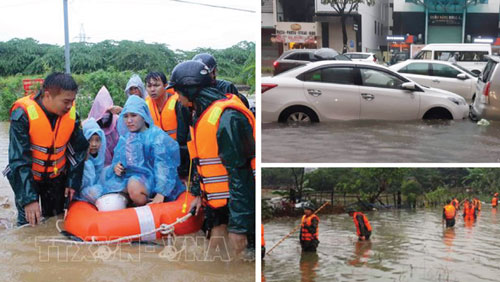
(66, 37)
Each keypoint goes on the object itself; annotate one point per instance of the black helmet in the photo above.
(190, 73)
(207, 59)
(309, 206)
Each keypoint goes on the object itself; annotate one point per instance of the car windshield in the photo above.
(465, 70)
(341, 57)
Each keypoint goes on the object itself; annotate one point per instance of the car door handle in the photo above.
(367, 97)
(314, 92)
(436, 80)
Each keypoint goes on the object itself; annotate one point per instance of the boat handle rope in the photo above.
(164, 229)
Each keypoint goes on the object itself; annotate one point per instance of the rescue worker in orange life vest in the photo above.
(363, 227)
(169, 115)
(455, 203)
(449, 214)
(47, 149)
(222, 147)
(469, 210)
(223, 85)
(494, 201)
(476, 202)
(263, 242)
(309, 230)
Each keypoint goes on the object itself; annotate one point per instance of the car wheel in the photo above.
(438, 113)
(298, 115)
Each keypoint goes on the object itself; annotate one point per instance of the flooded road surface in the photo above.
(381, 141)
(405, 246)
(25, 256)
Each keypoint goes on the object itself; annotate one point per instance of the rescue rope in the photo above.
(164, 229)
(294, 230)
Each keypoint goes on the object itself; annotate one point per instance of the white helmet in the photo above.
(111, 202)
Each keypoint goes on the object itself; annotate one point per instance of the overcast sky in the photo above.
(180, 25)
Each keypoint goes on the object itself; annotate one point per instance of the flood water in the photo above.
(405, 246)
(381, 141)
(25, 256)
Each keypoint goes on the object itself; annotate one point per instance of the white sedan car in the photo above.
(343, 90)
(439, 74)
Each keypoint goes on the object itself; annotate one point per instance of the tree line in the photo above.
(28, 57)
(109, 63)
(408, 185)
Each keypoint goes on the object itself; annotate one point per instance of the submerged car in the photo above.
(298, 57)
(438, 74)
(343, 90)
(487, 103)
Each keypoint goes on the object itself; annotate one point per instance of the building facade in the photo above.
(457, 21)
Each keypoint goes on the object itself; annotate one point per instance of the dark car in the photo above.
(299, 57)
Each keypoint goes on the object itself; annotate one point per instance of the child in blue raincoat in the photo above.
(145, 159)
(94, 165)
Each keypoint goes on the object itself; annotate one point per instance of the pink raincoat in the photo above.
(102, 103)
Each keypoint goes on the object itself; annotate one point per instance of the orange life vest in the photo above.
(306, 222)
(449, 211)
(477, 204)
(365, 220)
(204, 151)
(469, 211)
(494, 202)
(48, 146)
(167, 119)
(262, 241)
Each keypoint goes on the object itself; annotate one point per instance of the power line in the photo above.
(214, 6)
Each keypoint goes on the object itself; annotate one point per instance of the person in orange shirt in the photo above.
(477, 203)
(449, 214)
(455, 203)
(263, 242)
(469, 210)
(494, 201)
(363, 227)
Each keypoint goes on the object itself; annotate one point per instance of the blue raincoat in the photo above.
(94, 166)
(150, 156)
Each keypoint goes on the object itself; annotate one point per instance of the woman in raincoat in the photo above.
(94, 165)
(101, 112)
(145, 159)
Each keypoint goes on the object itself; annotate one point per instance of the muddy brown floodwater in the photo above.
(405, 246)
(25, 256)
(381, 141)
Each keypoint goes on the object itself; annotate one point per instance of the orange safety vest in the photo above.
(469, 212)
(306, 222)
(48, 146)
(365, 220)
(477, 204)
(167, 118)
(494, 202)
(262, 241)
(449, 211)
(204, 151)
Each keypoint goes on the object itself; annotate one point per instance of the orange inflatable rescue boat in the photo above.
(87, 223)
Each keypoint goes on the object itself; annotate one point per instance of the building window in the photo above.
(375, 27)
(483, 1)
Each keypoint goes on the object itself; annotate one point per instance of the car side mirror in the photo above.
(462, 76)
(477, 72)
(409, 86)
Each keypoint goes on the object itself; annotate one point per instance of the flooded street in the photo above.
(405, 246)
(25, 256)
(381, 141)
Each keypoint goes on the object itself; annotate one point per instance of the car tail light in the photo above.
(487, 89)
(275, 64)
(267, 86)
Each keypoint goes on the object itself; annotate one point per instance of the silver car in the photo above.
(487, 103)
(438, 74)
